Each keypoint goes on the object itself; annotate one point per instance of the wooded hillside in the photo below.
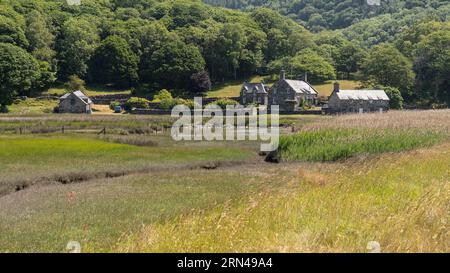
(183, 45)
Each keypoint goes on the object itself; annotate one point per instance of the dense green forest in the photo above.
(319, 15)
(184, 45)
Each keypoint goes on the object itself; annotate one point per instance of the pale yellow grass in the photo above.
(102, 110)
(431, 119)
(400, 200)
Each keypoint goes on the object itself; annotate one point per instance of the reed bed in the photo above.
(438, 120)
(337, 144)
(345, 136)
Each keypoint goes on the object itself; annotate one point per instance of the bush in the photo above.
(163, 94)
(222, 103)
(75, 83)
(135, 102)
(168, 104)
(189, 103)
(305, 105)
(3, 109)
(114, 104)
(395, 95)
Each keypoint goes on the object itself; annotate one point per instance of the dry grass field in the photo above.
(133, 189)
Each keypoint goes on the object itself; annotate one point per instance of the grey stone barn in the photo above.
(290, 95)
(254, 93)
(357, 101)
(75, 102)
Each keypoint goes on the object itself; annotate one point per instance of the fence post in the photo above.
(62, 129)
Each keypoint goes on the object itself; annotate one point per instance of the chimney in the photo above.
(283, 75)
(306, 76)
(336, 87)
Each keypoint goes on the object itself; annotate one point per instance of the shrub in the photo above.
(200, 82)
(3, 108)
(167, 104)
(135, 102)
(395, 95)
(189, 103)
(75, 83)
(305, 105)
(114, 104)
(163, 94)
(222, 103)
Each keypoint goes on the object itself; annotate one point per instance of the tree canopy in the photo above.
(186, 45)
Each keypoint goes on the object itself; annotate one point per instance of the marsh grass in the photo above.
(398, 200)
(27, 159)
(100, 212)
(337, 144)
(46, 123)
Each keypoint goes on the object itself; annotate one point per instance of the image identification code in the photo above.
(207, 264)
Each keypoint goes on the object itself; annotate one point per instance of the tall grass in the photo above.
(401, 202)
(335, 144)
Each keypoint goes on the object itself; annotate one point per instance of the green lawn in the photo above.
(326, 88)
(232, 88)
(91, 90)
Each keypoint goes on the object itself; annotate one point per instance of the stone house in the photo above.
(357, 101)
(75, 102)
(254, 93)
(291, 95)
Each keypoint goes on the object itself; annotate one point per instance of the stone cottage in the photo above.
(290, 95)
(75, 102)
(254, 93)
(357, 101)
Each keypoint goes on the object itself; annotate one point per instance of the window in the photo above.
(72, 101)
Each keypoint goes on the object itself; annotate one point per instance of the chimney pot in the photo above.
(283, 74)
(336, 87)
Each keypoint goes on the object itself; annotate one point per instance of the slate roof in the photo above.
(79, 94)
(362, 95)
(301, 87)
(249, 87)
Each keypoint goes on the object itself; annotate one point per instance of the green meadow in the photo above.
(343, 181)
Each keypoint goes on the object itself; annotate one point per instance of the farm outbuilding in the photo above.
(357, 101)
(75, 102)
